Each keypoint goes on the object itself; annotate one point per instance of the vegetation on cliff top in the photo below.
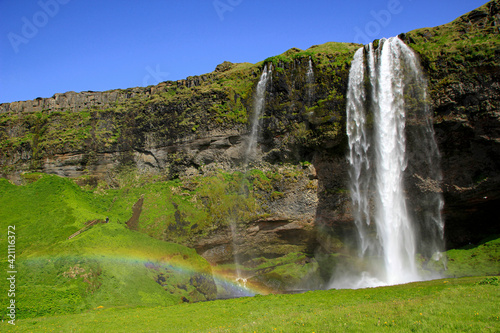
(471, 40)
(328, 54)
(461, 52)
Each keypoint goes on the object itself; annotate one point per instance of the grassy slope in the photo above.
(441, 305)
(106, 265)
(457, 44)
(483, 259)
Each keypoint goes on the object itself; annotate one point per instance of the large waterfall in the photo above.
(394, 173)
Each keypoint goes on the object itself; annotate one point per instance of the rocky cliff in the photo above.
(195, 131)
(462, 62)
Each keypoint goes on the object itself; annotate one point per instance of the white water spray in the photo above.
(310, 81)
(259, 103)
(377, 119)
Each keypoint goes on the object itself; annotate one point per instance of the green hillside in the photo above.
(106, 265)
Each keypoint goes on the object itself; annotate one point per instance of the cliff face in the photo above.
(199, 126)
(175, 125)
(462, 62)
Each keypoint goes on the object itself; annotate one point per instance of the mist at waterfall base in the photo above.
(393, 168)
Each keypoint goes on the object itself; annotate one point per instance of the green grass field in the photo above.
(452, 305)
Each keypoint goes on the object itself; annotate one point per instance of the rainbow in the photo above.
(174, 262)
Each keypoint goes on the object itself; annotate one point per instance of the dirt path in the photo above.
(133, 222)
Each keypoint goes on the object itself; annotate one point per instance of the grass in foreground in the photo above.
(453, 305)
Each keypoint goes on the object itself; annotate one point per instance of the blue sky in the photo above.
(54, 46)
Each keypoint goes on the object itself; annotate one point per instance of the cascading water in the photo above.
(250, 154)
(391, 146)
(259, 102)
(310, 82)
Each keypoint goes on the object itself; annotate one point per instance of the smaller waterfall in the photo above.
(310, 82)
(250, 154)
(255, 120)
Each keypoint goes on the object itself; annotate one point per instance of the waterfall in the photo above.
(259, 102)
(250, 154)
(394, 174)
(310, 82)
